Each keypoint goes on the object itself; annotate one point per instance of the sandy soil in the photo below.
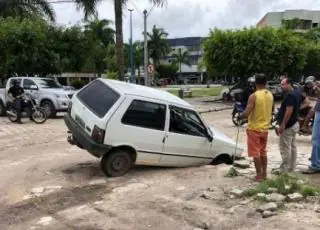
(47, 184)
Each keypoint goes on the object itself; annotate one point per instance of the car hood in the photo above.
(221, 137)
(59, 91)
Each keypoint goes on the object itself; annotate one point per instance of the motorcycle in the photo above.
(239, 107)
(301, 119)
(30, 109)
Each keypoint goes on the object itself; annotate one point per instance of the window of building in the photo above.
(146, 115)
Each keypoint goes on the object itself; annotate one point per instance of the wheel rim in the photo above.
(119, 163)
(235, 119)
(12, 117)
(38, 116)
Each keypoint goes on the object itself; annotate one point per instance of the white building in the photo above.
(195, 50)
(308, 19)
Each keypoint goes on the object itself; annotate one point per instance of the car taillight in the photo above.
(69, 107)
(98, 135)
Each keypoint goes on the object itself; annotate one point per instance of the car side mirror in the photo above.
(209, 136)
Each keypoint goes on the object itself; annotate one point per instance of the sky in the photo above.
(186, 18)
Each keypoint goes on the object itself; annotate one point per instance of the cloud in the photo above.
(185, 18)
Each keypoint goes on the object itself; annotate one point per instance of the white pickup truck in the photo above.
(47, 91)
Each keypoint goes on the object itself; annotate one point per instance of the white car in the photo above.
(127, 124)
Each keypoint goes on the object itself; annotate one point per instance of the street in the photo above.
(47, 184)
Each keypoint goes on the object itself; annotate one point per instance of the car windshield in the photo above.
(47, 83)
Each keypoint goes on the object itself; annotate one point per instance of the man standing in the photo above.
(315, 155)
(259, 113)
(289, 127)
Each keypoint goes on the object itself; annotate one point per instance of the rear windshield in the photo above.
(98, 97)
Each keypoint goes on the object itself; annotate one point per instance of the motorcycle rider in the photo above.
(248, 90)
(17, 91)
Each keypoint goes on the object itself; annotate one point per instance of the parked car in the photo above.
(229, 93)
(275, 88)
(126, 124)
(45, 90)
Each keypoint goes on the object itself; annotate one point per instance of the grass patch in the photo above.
(200, 92)
(285, 184)
(232, 172)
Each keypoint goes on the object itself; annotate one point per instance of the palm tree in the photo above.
(101, 30)
(182, 58)
(19, 8)
(157, 45)
(89, 8)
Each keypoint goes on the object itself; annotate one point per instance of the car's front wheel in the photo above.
(116, 163)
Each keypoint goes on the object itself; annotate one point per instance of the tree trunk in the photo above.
(119, 38)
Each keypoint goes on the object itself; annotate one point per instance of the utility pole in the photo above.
(146, 80)
(132, 77)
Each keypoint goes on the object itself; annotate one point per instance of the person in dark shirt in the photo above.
(289, 127)
(248, 90)
(17, 91)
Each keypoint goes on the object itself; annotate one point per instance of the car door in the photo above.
(30, 87)
(140, 123)
(186, 141)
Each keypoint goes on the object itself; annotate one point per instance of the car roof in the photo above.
(148, 92)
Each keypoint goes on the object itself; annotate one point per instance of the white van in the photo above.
(127, 124)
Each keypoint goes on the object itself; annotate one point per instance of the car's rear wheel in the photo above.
(116, 163)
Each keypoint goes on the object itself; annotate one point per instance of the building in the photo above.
(302, 20)
(195, 50)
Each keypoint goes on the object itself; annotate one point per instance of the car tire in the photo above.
(49, 108)
(117, 163)
(2, 109)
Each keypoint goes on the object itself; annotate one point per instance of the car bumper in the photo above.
(80, 138)
(62, 104)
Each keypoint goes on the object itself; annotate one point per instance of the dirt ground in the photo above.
(47, 184)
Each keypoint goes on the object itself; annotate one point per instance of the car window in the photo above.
(145, 114)
(187, 122)
(48, 83)
(27, 83)
(12, 80)
(98, 97)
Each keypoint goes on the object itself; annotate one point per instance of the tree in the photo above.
(182, 58)
(23, 9)
(313, 35)
(89, 8)
(312, 66)
(242, 53)
(101, 30)
(168, 71)
(157, 45)
(100, 35)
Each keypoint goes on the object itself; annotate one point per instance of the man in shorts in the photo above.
(259, 113)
